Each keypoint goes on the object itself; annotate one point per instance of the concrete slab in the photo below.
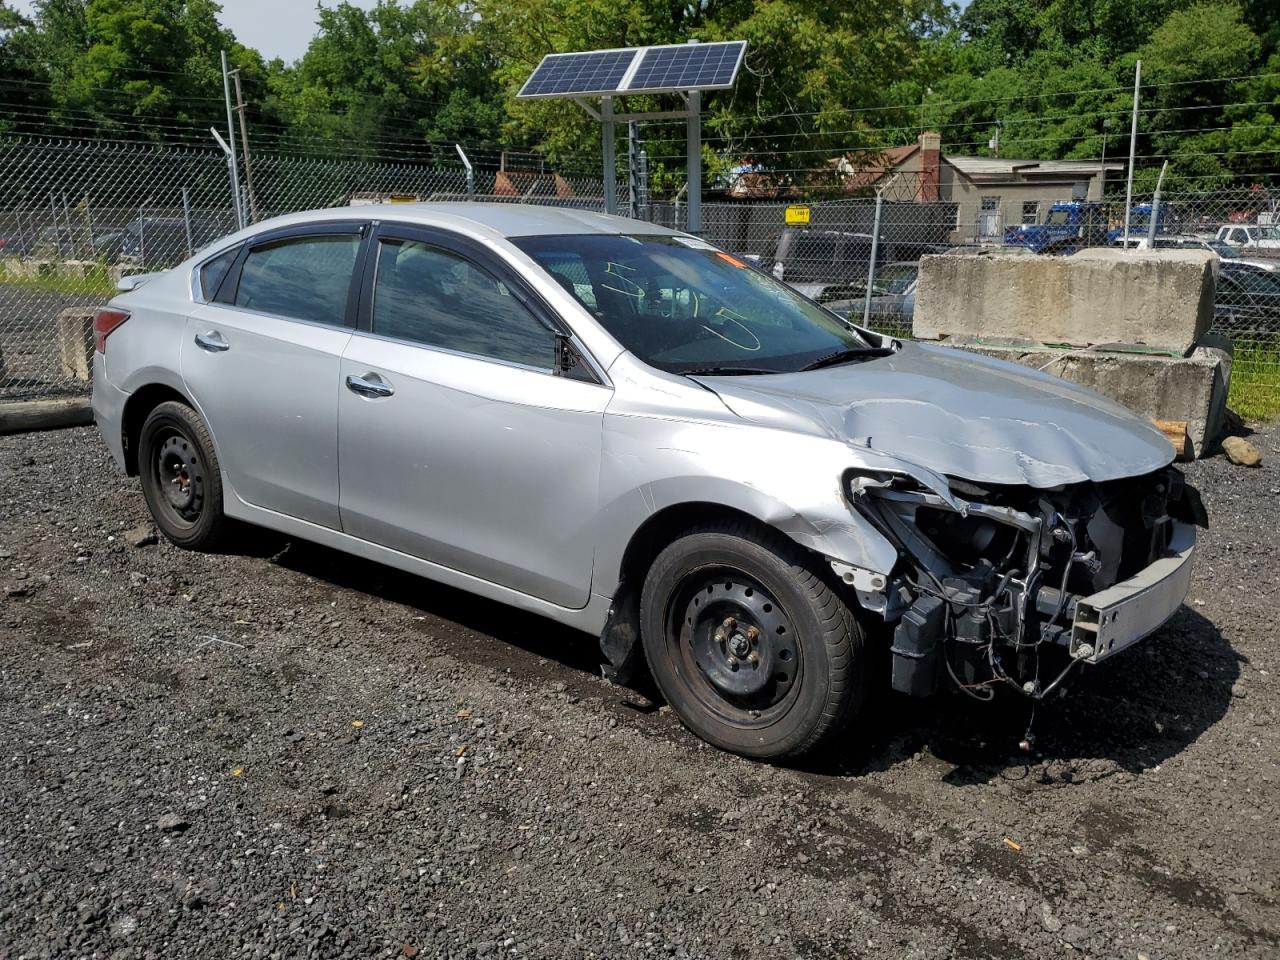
(1161, 299)
(1159, 387)
(75, 342)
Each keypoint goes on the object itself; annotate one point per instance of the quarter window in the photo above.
(430, 296)
(306, 278)
(215, 271)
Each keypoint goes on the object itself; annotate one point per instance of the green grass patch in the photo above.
(91, 281)
(1255, 380)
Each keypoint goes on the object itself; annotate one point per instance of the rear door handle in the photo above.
(212, 341)
(370, 385)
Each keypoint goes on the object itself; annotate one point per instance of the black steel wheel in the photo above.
(749, 643)
(180, 476)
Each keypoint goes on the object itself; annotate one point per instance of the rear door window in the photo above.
(304, 278)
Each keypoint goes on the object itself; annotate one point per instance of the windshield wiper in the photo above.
(725, 371)
(844, 356)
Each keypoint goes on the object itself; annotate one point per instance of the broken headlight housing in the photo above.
(987, 578)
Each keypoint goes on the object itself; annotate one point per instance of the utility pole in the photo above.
(231, 148)
(1133, 146)
(1106, 128)
(244, 148)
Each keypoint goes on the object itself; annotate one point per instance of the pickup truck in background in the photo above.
(1248, 236)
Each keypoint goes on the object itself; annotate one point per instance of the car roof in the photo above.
(500, 220)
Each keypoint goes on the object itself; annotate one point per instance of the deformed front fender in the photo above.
(792, 482)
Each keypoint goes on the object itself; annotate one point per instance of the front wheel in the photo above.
(749, 644)
(181, 481)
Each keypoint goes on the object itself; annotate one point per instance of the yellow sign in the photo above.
(797, 215)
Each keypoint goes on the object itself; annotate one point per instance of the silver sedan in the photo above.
(630, 431)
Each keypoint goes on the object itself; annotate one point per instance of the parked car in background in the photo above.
(1244, 236)
(1248, 297)
(830, 265)
(893, 295)
(1224, 250)
(820, 264)
(158, 241)
(14, 245)
(632, 432)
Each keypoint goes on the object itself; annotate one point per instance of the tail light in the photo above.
(104, 321)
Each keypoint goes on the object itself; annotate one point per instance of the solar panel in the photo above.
(675, 67)
(689, 66)
(578, 74)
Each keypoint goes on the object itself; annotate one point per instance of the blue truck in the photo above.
(1074, 224)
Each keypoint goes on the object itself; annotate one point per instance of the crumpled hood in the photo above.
(960, 414)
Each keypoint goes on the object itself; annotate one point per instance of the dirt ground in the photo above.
(287, 752)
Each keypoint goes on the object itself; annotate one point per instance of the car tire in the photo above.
(750, 644)
(181, 478)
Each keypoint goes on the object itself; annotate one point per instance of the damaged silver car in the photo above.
(634, 433)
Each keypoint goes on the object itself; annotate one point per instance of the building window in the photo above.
(1030, 211)
(990, 204)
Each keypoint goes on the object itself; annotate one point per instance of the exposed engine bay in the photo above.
(1011, 586)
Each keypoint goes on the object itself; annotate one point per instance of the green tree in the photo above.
(376, 79)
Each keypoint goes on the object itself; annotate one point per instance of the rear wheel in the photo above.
(181, 480)
(748, 643)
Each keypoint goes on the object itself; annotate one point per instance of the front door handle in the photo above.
(212, 341)
(370, 385)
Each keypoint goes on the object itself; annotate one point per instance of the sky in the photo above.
(278, 28)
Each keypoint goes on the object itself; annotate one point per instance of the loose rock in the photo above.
(1241, 452)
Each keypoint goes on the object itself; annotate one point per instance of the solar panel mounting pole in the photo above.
(693, 173)
(610, 163)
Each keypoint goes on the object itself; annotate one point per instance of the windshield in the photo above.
(1223, 249)
(683, 306)
(1058, 218)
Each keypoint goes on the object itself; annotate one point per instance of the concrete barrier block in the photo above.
(1161, 299)
(1191, 388)
(75, 342)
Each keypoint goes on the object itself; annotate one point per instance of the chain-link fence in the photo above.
(77, 215)
(861, 257)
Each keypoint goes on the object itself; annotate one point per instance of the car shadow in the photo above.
(1128, 714)
(526, 643)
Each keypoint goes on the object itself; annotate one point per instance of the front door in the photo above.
(458, 441)
(262, 359)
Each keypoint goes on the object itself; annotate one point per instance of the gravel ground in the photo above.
(288, 752)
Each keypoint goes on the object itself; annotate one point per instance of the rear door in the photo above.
(262, 360)
(460, 442)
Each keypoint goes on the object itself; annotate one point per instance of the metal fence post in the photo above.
(633, 175)
(231, 150)
(1155, 208)
(1133, 146)
(645, 213)
(871, 264)
(186, 218)
(471, 174)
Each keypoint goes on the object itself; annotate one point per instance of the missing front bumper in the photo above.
(1118, 617)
